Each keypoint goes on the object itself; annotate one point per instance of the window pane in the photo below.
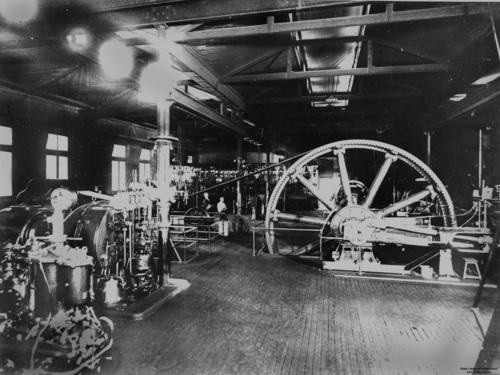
(118, 175)
(114, 175)
(5, 135)
(141, 172)
(145, 154)
(5, 174)
(62, 143)
(52, 142)
(122, 175)
(144, 171)
(63, 168)
(119, 151)
(51, 167)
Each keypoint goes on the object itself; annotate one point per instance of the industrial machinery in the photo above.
(47, 322)
(405, 219)
(123, 236)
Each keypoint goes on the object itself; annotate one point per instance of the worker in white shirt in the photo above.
(223, 223)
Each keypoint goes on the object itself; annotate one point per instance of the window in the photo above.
(118, 168)
(5, 161)
(56, 160)
(145, 165)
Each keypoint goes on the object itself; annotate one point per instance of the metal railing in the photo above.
(262, 229)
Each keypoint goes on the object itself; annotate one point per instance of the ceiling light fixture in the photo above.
(18, 11)
(78, 39)
(116, 59)
(157, 81)
(458, 97)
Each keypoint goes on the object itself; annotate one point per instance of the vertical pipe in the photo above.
(480, 174)
(180, 145)
(428, 140)
(239, 160)
(162, 144)
(268, 175)
(480, 161)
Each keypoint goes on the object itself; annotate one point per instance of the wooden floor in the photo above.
(272, 315)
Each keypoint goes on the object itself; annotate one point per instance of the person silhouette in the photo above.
(223, 223)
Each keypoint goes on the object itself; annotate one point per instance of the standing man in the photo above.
(206, 205)
(223, 224)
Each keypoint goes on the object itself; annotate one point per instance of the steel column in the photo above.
(180, 145)
(163, 145)
(239, 160)
(428, 143)
(480, 161)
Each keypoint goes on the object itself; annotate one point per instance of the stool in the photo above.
(471, 262)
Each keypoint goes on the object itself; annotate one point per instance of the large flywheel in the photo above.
(359, 191)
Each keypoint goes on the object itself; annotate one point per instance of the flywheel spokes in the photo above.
(369, 214)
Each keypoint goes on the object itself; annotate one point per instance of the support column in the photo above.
(239, 162)
(181, 157)
(163, 145)
(428, 144)
(480, 175)
(480, 161)
(268, 174)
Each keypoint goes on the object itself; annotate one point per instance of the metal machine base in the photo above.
(361, 259)
(365, 267)
(144, 308)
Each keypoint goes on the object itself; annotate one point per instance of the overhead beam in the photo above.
(208, 113)
(389, 16)
(366, 71)
(332, 127)
(293, 116)
(56, 101)
(192, 60)
(337, 95)
(277, 43)
(110, 112)
(474, 99)
(175, 12)
(126, 129)
(247, 65)
(412, 50)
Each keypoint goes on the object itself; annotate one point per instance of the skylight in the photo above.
(458, 97)
(484, 80)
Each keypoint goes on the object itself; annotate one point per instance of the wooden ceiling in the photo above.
(269, 68)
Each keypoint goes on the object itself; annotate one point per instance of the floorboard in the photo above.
(273, 315)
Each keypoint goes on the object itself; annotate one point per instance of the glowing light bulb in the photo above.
(78, 39)
(18, 11)
(157, 81)
(116, 59)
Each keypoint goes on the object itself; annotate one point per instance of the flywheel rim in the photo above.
(443, 197)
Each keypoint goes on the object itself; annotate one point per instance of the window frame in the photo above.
(145, 165)
(8, 147)
(121, 166)
(59, 154)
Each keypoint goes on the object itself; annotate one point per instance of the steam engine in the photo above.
(123, 237)
(47, 322)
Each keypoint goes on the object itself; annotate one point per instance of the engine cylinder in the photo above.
(45, 274)
(73, 285)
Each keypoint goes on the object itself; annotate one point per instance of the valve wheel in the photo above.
(349, 218)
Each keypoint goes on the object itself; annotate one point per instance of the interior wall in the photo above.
(89, 149)
(456, 157)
